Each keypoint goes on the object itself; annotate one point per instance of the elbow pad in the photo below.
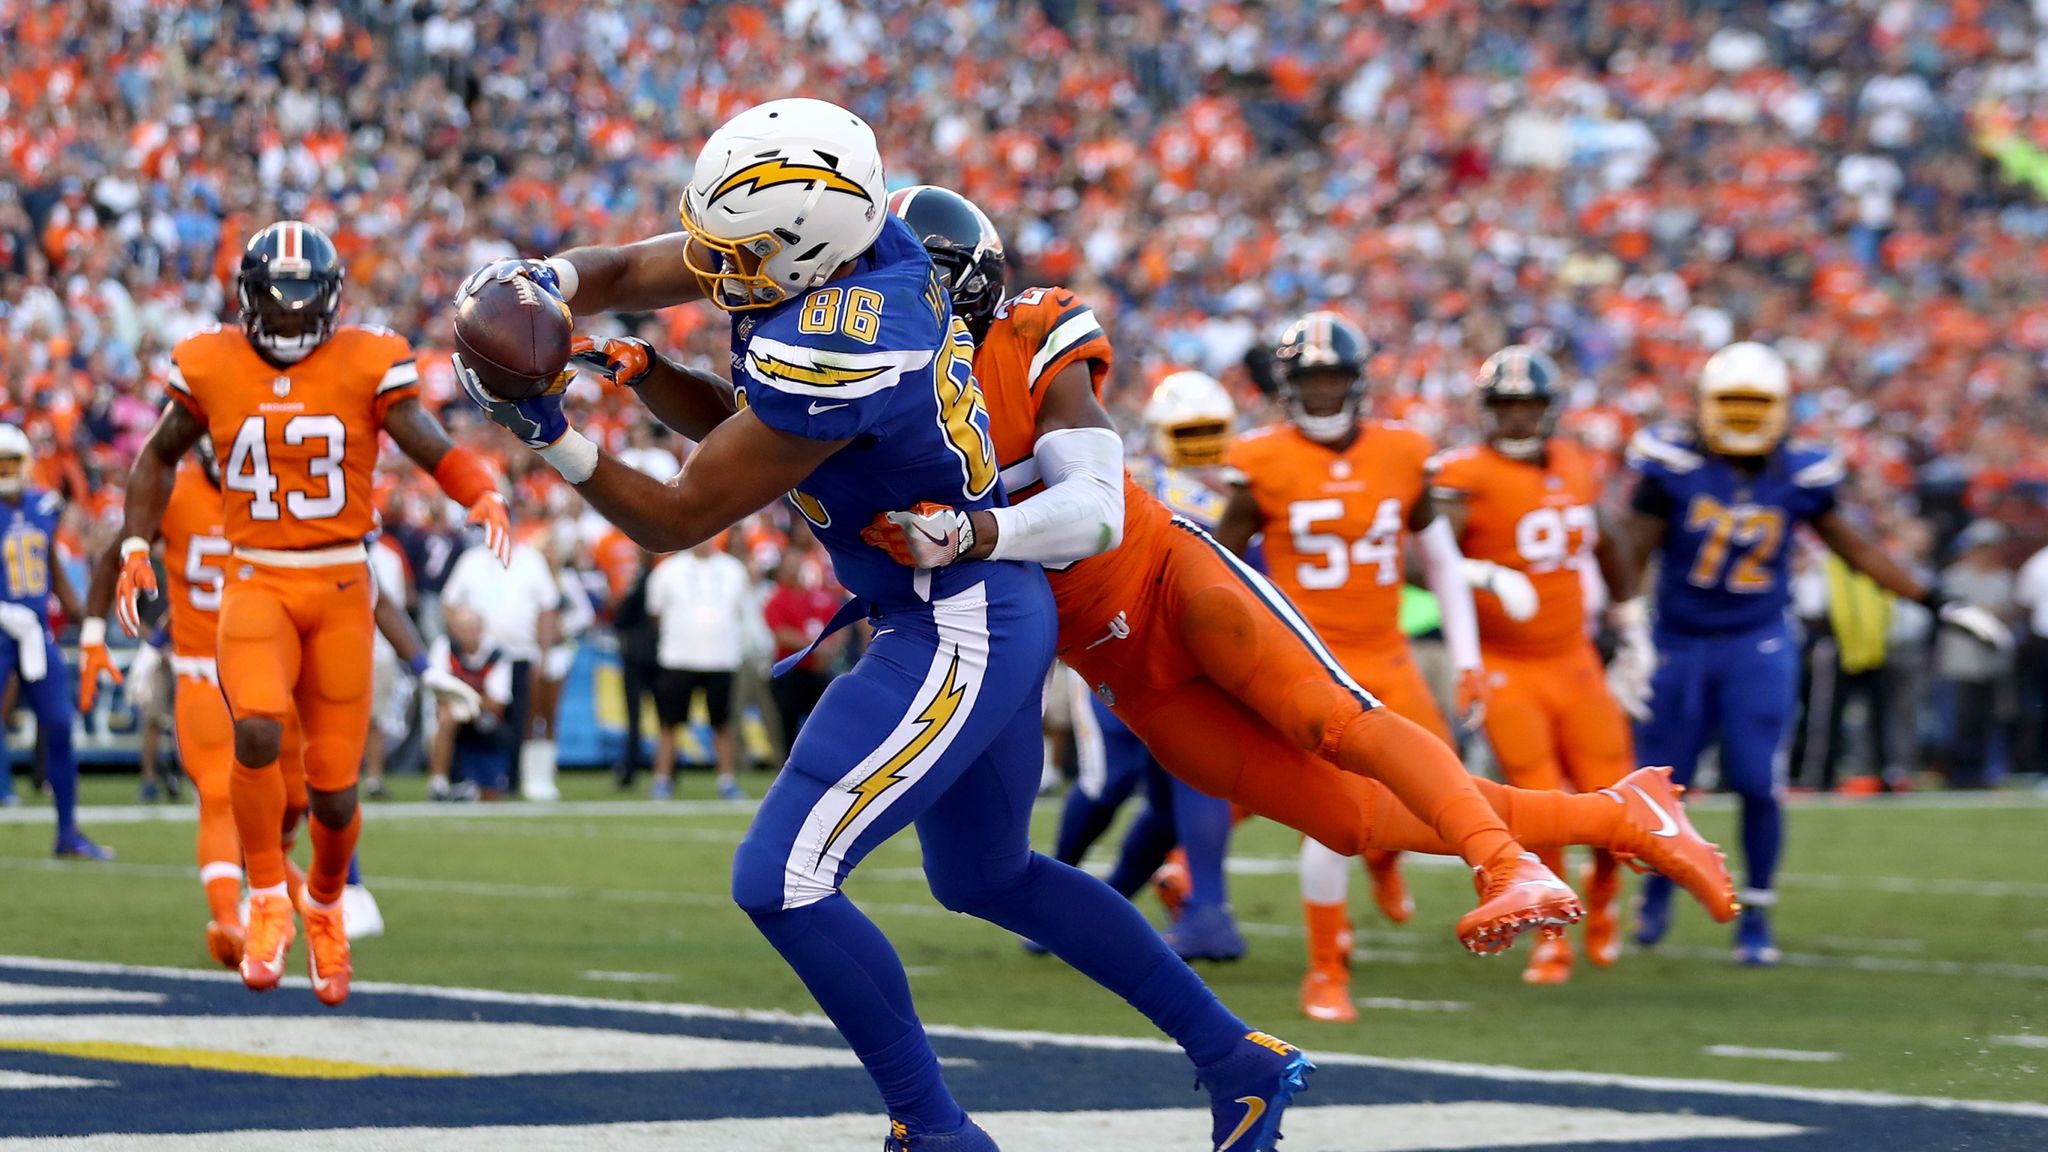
(1080, 513)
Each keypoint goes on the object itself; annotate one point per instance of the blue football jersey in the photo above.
(1726, 559)
(28, 546)
(1187, 492)
(877, 359)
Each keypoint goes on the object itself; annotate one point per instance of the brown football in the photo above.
(515, 335)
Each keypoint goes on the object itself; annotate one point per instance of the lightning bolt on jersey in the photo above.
(1725, 561)
(297, 444)
(1539, 519)
(195, 554)
(1197, 494)
(1334, 522)
(28, 546)
(875, 358)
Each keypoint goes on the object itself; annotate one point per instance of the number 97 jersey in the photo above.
(297, 444)
(1726, 555)
(1538, 519)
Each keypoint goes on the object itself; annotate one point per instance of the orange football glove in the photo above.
(1472, 695)
(137, 577)
(928, 536)
(623, 361)
(94, 661)
(490, 512)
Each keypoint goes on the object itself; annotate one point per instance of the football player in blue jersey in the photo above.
(852, 392)
(1716, 502)
(30, 573)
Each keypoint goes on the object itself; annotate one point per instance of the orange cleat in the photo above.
(270, 935)
(224, 942)
(1172, 884)
(1389, 889)
(1655, 833)
(326, 952)
(1326, 996)
(1603, 910)
(1550, 962)
(1516, 894)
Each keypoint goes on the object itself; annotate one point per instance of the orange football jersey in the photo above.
(1334, 522)
(297, 444)
(1538, 519)
(195, 549)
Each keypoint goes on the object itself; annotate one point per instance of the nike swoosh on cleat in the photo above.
(1254, 1107)
(1557, 884)
(1670, 826)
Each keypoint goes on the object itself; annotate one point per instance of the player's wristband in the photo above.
(574, 455)
(464, 476)
(566, 277)
(92, 632)
(131, 546)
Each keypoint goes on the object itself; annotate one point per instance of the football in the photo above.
(515, 335)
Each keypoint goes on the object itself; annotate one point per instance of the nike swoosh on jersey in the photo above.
(817, 407)
(1669, 826)
(1254, 1107)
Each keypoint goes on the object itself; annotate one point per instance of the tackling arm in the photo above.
(687, 400)
(1241, 520)
(461, 473)
(1444, 565)
(1081, 459)
(1864, 554)
(149, 492)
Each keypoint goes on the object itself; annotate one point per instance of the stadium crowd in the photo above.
(1632, 183)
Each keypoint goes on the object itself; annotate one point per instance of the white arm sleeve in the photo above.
(1080, 513)
(1445, 568)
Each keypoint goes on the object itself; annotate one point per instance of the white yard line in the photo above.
(604, 977)
(2021, 1041)
(1495, 1073)
(1396, 1004)
(1792, 1055)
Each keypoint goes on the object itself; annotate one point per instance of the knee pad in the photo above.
(760, 882)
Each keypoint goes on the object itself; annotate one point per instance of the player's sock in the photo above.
(355, 871)
(1428, 779)
(1538, 818)
(1328, 928)
(1763, 837)
(222, 880)
(1083, 820)
(855, 976)
(1146, 843)
(333, 849)
(1203, 825)
(1105, 938)
(256, 796)
(62, 773)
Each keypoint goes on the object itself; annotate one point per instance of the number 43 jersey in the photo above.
(1726, 557)
(1334, 522)
(297, 444)
(1538, 519)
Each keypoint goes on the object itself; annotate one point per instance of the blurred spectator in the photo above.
(699, 601)
(1977, 675)
(521, 609)
(2030, 595)
(471, 737)
(796, 614)
(392, 709)
(639, 641)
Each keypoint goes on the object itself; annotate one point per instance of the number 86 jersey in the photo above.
(297, 444)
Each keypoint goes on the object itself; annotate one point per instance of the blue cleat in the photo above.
(77, 847)
(731, 790)
(1250, 1088)
(1754, 946)
(968, 1138)
(1205, 932)
(148, 793)
(660, 789)
(1653, 912)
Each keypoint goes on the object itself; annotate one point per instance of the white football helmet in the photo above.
(784, 193)
(1745, 399)
(1191, 418)
(14, 446)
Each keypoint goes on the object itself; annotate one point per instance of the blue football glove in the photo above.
(538, 421)
(539, 271)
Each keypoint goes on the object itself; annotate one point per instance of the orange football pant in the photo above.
(297, 640)
(1233, 692)
(206, 746)
(1552, 722)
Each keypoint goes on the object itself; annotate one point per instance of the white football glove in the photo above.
(1635, 658)
(1516, 595)
(927, 536)
(1978, 623)
(141, 683)
(459, 700)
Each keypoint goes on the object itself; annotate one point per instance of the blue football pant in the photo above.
(55, 709)
(939, 724)
(1739, 692)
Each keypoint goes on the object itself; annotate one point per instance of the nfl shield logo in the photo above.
(1341, 469)
(746, 327)
(282, 385)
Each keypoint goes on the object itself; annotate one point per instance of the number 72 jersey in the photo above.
(297, 444)
(1725, 563)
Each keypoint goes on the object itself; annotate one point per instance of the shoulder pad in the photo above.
(1668, 446)
(1817, 467)
(831, 365)
(48, 503)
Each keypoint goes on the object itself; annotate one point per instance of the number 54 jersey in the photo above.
(297, 444)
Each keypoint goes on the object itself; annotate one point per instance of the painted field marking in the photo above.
(1794, 1055)
(409, 810)
(1869, 944)
(14, 994)
(2021, 1041)
(1484, 1072)
(604, 977)
(34, 1082)
(1396, 1004)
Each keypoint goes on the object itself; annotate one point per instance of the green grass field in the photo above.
(1916, 937)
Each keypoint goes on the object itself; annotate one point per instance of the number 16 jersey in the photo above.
(297, 444)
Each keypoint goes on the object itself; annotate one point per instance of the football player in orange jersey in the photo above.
(196, 550)
(1525, 505)
(1336, 496)
(298, 400)
(1200, 656)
